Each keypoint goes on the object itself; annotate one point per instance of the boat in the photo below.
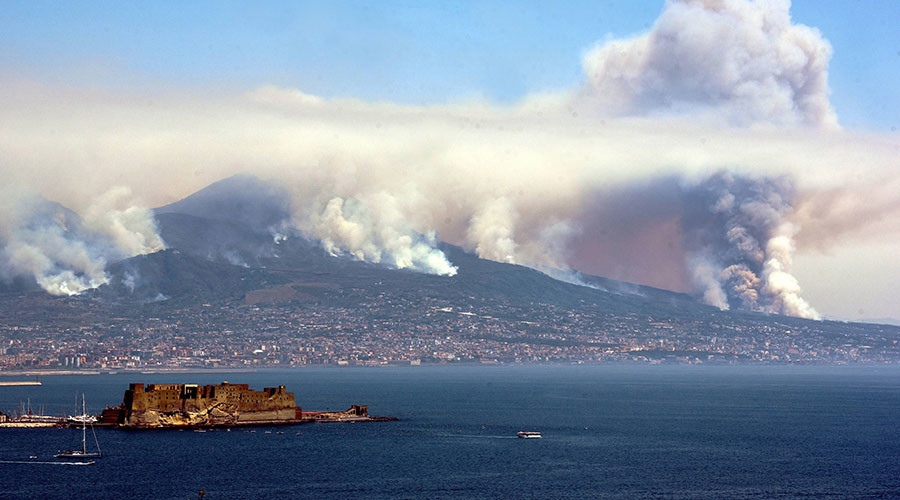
(30, 462)
(29, 419)
(529, 434)
(84, 418)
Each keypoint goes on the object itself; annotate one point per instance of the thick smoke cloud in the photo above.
(618, 177)
(491, 231)
(743, 61)
(63, 254)
(131, 228)
(726, 236)
(375, 231)
(739, 244)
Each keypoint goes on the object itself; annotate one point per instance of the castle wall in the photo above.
(168, 404)
(268, 415)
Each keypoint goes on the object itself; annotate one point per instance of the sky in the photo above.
(390, 104)
(400, 51)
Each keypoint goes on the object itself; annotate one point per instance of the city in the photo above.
(390, 329)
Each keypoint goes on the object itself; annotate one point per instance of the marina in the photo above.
(192, 406)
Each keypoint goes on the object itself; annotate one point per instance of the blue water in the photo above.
(609, 432)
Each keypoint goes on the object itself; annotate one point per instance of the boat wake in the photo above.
(29, 462)
(481, 436)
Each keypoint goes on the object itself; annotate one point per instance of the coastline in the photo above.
(63, 424)
(150, 371)
(247, 424)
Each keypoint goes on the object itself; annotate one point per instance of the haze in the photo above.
(745, 152)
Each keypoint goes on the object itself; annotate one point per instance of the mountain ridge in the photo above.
(227, 284)
(232, 238)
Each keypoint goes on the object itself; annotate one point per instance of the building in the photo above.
(191, 404)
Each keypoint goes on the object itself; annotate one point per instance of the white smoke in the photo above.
(64, 256)
(234, 259)
(132, 229)
(707, 278)
(130, 281)
(744, 61)
(374, 230)
(781, 285)
(59, 264)
(491, 231)
(553, 244)
(596, 179)
(740, 244)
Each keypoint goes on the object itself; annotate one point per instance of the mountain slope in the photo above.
(224, 231)
(241, 199)
(234, 276)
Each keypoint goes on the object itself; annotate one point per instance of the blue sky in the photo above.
(401, 51)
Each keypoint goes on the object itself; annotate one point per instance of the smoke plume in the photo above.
(491, 231)
(620, 176)
(375, 231)
(65, 256)
(744, 61)
(131, 228)
(740, 244)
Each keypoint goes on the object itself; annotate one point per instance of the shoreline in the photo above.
(247, 424)
(617, 365)
(63, 424)
(149, 371)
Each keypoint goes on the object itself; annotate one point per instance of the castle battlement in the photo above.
(145, 405)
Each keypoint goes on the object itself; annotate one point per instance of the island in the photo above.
(161, 406)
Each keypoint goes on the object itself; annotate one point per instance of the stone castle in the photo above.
(167, 405)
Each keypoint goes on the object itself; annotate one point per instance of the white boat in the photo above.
(28, 417)
(83, 453)
(82, 419)
(529, 435)
(30, 462)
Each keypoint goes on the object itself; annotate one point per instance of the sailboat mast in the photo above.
(83, 426)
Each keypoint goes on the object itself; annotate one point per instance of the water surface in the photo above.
(609, 432)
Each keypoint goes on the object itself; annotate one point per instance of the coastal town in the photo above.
(393, 330)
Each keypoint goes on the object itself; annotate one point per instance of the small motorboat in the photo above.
(529, 435)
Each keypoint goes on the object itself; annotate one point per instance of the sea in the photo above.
(609, 431)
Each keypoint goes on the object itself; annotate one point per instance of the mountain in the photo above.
(239, 199)
(221, 246)
(233, 239)
(236, 275)
(42, 224)
(881, 321)
(171, 274)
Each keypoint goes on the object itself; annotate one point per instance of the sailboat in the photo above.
(83, 453)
